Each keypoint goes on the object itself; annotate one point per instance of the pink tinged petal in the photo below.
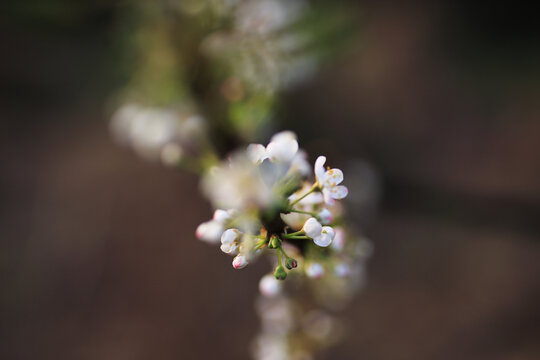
(339, 192)
(332, 178)
(318, 169)
(209, 231)
(239, 262)
(221, 216)
(256, 153)
(312, 228)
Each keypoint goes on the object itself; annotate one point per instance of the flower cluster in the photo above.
(265, 202)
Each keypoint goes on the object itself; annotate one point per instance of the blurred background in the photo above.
(98, 257)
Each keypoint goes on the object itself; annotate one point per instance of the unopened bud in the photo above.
(291, 263)
(274, 243)
(280, 273)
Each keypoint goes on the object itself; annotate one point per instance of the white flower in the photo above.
(329, 181)
(221, 215)
(282, 147)
(239, 262)
(237, 184)
(229, 240)
(322, 235)
(342, 270)
(339, 240)
(314, 270)
(269, 286)
(300, 164)
(256, 153)
(326, 216)
(210, 231)
(325, 238)
(312, 228)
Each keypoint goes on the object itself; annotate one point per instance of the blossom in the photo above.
(269, 286)
(239, 262)
(283, 148)
(322, 235)
(325, 238)
(237, 184)
(314, 270)
(326, 216)
(329, 181)
(229, 240)
(312, 227)
(210, 231)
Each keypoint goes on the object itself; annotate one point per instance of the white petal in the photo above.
(327, 195)
(319, 168)
(339, 192)
(283, 150)
(332, 178)
(256, 153)
(269, 286)
(230, 236)
(284, 136)
(221, 216)
(209, 231)
(312, 228)
(325, 238)
(329, 231)
(229, 248)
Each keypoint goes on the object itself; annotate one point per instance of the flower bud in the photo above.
(209, 231)
(280, 273)
(239, 262)
(274, 243)
(291, 263)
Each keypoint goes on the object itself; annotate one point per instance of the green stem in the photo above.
(295, 237)
(300, 232)
(279, 250)
(313, 188)
(303, 212)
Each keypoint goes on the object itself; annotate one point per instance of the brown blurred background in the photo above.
(98, 258)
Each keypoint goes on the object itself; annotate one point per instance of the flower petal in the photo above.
(318, 169)
(339, 192)
(282, 150)
(256, 153)
(332, 178)
(327, 195)
(312, 228)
